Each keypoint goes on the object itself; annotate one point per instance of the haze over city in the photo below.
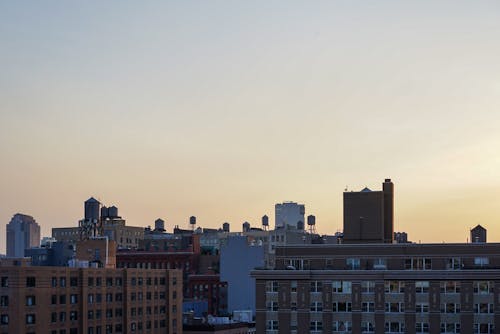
(222, 109)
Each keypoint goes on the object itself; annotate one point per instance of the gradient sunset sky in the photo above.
(220, 109)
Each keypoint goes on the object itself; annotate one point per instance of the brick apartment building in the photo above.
(63, 300)
(381, 288)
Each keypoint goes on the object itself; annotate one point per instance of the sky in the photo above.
(220, 109)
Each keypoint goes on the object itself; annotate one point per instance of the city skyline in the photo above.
(221, 110)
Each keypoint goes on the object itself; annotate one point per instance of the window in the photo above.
(422, 286)
(450, 308)
(341, 307)
(4, 282)
(483, 308)
(368, 307)
(73, 315)
(422, 307)
(379, 264)
(454, 263)
(422, 327)
(484, 328)
(272, 325)
(367, 287)
(450, 327)
(98, 297)
(30, 319)
(394, 327)
(316, 326)
(367, 327)
(54, 282)
(90, 315)
(316, 286)
(109, 281)
(109, 297)
(73, 299)
(30, 300)
(293, 286)
(62, 299)
(73, 281)
(272, 286)
(394, 286)
(316, 307)
(4, 319)
(272, 306)
(483, 287)
(4, 300)
(30, 282)
(481, 261)
(418, 264)
(394, 307)
(62, 281)
(341, 286)
(62, 316)
(90, 281)
(90, 298)
(448, 287)
(109, 313)
(353, 264)
(342, 326)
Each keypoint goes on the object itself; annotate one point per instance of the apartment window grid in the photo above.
(272, 286)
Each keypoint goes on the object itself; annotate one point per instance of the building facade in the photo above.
(381, 288)
(62, 300)
(289, 214)
(369, 215)
(23, 232)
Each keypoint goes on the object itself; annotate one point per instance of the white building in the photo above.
(289, 214)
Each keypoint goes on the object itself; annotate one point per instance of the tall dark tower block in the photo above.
(388, 190)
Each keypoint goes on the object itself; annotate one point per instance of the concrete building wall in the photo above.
(237, 259)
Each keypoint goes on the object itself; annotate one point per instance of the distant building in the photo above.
(401, 237)
(478, 234)
(23, 232)
(101, 221)
(237, 259)
(54, 254)
(369, 215)
(289, 214)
